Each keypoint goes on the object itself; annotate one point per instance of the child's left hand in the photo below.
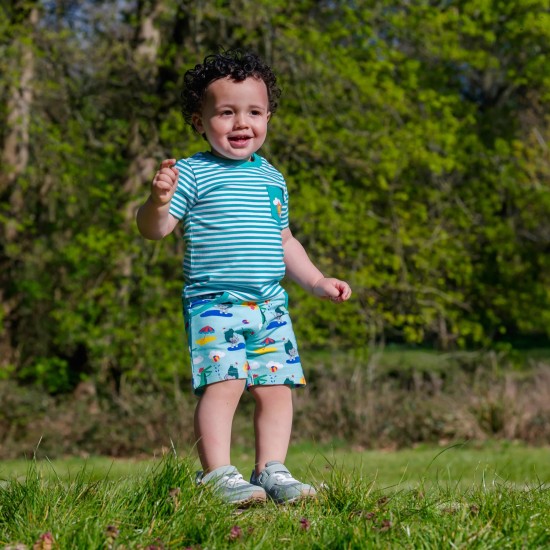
(333, 289)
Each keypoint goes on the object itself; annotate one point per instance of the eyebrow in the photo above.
(254, 106)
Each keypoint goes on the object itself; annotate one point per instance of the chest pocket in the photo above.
(276, 201)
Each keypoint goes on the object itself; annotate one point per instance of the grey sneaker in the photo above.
(229, 485)
(279, 484)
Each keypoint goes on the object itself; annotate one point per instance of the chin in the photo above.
(235, 156)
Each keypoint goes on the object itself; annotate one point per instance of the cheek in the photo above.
(219, 127)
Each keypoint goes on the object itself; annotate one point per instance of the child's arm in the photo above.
(153, 219)
(301, 270)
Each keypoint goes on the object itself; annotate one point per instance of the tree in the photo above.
(413, 137)
(18, 51)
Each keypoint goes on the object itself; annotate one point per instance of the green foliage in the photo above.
(413, 138)
(398, 399)
(410, 167)
(50, 373)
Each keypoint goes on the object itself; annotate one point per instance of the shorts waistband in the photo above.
(205, 301)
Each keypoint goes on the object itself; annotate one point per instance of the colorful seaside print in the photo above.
(242, 340)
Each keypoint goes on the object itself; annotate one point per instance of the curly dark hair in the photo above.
(236, 64)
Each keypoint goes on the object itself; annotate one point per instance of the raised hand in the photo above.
(164, 183)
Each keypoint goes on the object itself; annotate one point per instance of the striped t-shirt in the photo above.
(233, 213)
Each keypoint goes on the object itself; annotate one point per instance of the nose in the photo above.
(240, 120)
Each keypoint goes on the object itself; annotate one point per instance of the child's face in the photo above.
(234, 117)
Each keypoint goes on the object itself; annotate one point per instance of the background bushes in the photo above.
(366, 405)
(413, 136)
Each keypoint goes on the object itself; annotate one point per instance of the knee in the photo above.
(271, 394)
(229, 390)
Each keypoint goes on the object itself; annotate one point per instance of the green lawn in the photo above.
(461, 496)
(463, 463)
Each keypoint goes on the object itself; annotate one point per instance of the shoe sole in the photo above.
(250, 501)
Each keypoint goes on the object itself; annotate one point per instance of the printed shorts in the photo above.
(231, 339)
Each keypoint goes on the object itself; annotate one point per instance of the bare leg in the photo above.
(272, 423)
(213, 421)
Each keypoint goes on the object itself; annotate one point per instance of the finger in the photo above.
(167, 163)
(331, 291)
(344, 291)
(162, 185)
(340, 287)
(167, 176)
(333, 294)
(162, 180)
(347, 293)
(163, 190)
(173, 174)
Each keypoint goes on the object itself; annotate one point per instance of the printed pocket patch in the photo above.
(275, 201)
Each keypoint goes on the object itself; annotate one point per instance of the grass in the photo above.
(462, 496)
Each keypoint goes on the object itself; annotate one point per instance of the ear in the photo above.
(196, 119)
(268, 115)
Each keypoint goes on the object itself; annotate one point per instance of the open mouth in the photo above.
(239, 140)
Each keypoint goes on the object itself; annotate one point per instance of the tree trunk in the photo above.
(15, 151)
(142, 162)
(15, 159)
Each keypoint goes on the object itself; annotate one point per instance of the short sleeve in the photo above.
(186, 191)
(284, 209)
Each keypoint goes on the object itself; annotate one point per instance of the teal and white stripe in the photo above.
(232, 226)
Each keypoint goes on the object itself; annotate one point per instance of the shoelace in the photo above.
(284, 478)
(233, 480)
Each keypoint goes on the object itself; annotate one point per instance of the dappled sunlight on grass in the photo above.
(459, 495)
(464, 464)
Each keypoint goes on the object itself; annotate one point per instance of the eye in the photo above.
(226, 112)
(255, 112)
